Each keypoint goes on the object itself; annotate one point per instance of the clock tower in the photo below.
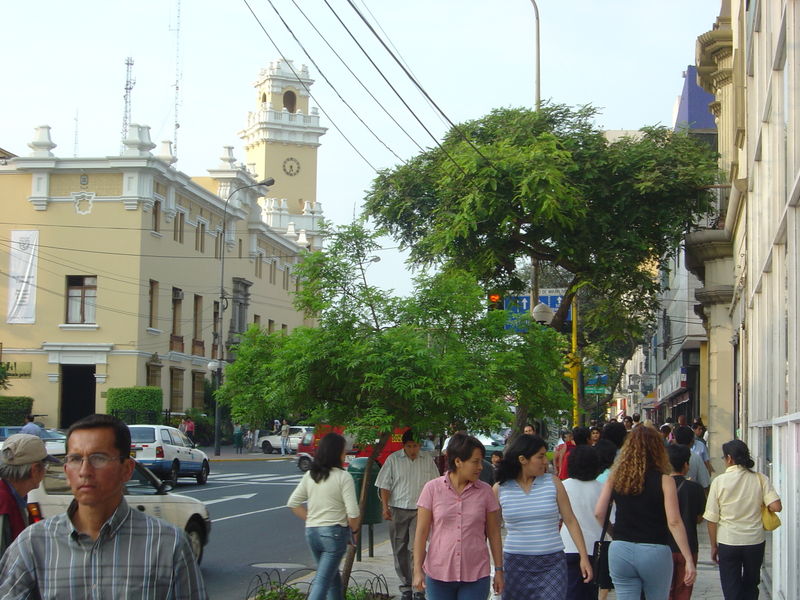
(282, 136)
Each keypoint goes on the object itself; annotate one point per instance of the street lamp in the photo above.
(538, 62)
(220, 362)
(543, 314)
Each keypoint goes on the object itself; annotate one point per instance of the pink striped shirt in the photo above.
(457, 548)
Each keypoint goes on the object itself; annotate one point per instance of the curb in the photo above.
(221, 459)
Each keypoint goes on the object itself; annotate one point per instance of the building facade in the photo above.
(114, 268)
(748, 262)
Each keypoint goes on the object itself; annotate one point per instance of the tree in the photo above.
(376, 362)
(548, 185)
(4, 385)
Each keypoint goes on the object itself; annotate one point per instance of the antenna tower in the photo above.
(177, 124)
(126, 113)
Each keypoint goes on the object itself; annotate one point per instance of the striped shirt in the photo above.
(405, 478)
(531, 519)
(136, 556)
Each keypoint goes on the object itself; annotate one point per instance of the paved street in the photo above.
(251, 530)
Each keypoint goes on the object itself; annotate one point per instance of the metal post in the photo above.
(220, 333)
(538, 60)
(577, 363)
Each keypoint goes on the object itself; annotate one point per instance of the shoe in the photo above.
(405, 595)
(419, 596)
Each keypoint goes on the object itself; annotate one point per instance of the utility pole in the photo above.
(176, 124)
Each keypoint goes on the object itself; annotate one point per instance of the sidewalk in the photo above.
(705, 588)
(228, 453)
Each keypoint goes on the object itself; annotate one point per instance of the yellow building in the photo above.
(111, 267)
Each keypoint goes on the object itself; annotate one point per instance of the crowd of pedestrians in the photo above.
(617, 508)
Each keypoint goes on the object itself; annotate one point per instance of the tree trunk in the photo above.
(362, 504)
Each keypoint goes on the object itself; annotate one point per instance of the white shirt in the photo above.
(583, 497)
(405, 478)
(330, 502)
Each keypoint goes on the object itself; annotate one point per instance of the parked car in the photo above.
(271, 442)
(144, 491)
(309, 442)
(168, 453)
(492, 442)
(54, 440)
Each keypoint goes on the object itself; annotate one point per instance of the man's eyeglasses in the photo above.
(97, 461)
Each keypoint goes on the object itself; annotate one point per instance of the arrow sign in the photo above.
(226, 498)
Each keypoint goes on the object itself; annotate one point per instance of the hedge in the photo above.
(136, 404)
(14, 409)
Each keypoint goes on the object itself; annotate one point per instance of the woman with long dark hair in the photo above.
(640, 558)
(456, 514)
(331, 514)
(735, 529)
(533, 503)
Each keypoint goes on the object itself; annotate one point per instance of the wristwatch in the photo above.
(500, 569)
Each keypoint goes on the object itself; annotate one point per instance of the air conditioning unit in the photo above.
(177, 294)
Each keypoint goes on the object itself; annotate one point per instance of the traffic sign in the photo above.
(596, 389)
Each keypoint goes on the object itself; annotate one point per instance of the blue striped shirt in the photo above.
(136, 556)
(531, 519)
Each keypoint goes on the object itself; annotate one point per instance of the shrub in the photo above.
(14, 409)
(136, 404)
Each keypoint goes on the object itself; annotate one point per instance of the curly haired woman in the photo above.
(647, 513)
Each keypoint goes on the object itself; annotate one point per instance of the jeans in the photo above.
(328, 545)
(456, 590)
(740, 570)
(285, 446)
(640, 567)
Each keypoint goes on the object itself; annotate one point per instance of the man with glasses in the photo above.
(100, 548)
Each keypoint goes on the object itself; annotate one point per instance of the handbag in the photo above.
(600, 548)
(769, 519)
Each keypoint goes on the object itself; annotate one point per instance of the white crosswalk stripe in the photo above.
(255, 478)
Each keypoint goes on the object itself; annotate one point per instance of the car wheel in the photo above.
(304, 463)
(173, 472)
(202, 476)
(266, 447)
(196, 534)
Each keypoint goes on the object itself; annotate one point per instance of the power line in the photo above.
(333, 87)
(305, 87)
(363, 85)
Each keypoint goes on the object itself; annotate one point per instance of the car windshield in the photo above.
(6, 431)
(143, 435)
(49, 434)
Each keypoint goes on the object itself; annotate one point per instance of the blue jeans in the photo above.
(328, 545)
(456, 590)
(640, 567)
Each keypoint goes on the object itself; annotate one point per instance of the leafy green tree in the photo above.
(376, 362)
(4, 385)
(548, 185)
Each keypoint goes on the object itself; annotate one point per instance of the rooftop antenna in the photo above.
(126, 114)
(75, 140)
(177, 30)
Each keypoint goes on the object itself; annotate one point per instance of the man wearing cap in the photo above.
(101, 548)
(21, 470)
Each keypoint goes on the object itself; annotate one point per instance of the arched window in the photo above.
(263, 98)
(290, 101)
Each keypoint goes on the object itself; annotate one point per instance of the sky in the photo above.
(64, 66)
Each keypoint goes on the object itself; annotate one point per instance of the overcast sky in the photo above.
(61, 59)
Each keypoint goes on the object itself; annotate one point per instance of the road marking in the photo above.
(226, 498)
(254, 512)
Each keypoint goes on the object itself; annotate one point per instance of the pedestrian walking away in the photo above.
(30, 427)
(77, 554)
(331, 514)
(285, 449)
(691, 503)
(456, 514)
(647, 513)
(735, 526)
(533, 504)
(190, 428)
(697, 469)
(400, 482)
(22, 468)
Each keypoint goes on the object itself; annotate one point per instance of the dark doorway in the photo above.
(77, 393)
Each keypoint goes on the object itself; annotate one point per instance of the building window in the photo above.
(176, 339)
(157, 215)
(257, 321)
(240, 302)
(177, 232)
(154, 375)
(175, 389)
(286, 278)
(198, 346)
(284, 329)
(259, 266)
(218, 244)
(240, 247)
(290, 101)
(200, 237)
(198, 389)
(152, 319)
(273, 267)
(81, 299)
(270, 326)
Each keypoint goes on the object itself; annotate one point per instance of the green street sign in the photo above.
(596, 389)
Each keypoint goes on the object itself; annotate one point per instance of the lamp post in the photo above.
(219, 363)
(537, 105)
(538, 62)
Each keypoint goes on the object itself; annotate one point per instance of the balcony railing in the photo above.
(176, 343)
(198, 347)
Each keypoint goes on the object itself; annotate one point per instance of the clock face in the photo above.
(291, 166)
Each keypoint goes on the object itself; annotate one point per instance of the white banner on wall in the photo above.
(23, 259)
